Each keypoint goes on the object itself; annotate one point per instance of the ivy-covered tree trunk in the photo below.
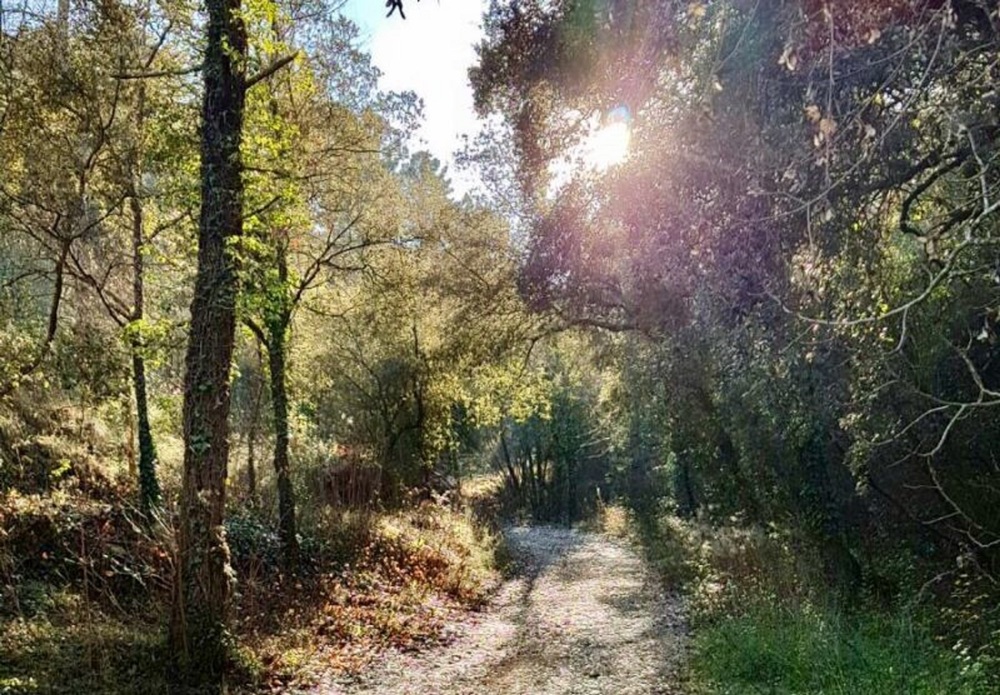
(277, 357)
(199, 619)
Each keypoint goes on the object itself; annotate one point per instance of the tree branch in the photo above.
(177, 72)
(271, 69)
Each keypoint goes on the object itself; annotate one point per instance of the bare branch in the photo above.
(271, 69)
(177, 72)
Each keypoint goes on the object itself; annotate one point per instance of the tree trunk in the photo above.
(252, 465)
(279, 401)
(688, 506)
(149, 487)
(252, 433)
(201, 607)
(730, 459)
(277, 325)
(133, 468)
(515, 483)
(423, 457)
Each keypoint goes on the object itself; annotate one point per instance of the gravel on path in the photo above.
(583, 615)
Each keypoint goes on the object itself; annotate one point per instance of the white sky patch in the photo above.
(429, 53)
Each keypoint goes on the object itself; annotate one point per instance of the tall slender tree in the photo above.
(201, 607)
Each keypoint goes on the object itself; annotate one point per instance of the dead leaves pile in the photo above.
(411, 578)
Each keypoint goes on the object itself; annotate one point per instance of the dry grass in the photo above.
(85, 590)
(399, 581)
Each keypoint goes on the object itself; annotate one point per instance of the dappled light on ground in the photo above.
(581, 615)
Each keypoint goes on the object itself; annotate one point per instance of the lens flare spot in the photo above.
(608, 146)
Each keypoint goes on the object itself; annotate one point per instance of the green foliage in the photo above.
(150, 338)
(75, 648)
(92, 363)
(765, 620)
(556, 458)
(252, 540)
(797, 265)
(773, 649)
(424, 350)
(803, 245)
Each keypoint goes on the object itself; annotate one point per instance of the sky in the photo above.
(429, 53)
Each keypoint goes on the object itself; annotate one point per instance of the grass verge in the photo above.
(73, 650)
(764, 621)
(781, 649)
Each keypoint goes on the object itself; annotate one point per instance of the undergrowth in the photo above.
(86, 592)
(69, 647)
(771, 648)
(387, 580)
(765, 620)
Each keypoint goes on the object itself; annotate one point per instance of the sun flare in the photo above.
(608, 146)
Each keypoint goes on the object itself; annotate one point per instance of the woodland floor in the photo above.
(582, 614)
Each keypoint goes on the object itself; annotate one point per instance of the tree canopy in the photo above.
(732, 261)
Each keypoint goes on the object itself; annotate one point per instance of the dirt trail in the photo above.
(583, 616)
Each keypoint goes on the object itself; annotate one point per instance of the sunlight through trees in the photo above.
(728, 283)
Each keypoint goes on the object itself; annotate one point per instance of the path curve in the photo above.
(583, 616)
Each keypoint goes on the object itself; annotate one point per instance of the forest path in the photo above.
(583, 615)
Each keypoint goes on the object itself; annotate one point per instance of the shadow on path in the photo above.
(580, 614)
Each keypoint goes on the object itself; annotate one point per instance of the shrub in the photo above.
(766, 621)
(812, 650)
